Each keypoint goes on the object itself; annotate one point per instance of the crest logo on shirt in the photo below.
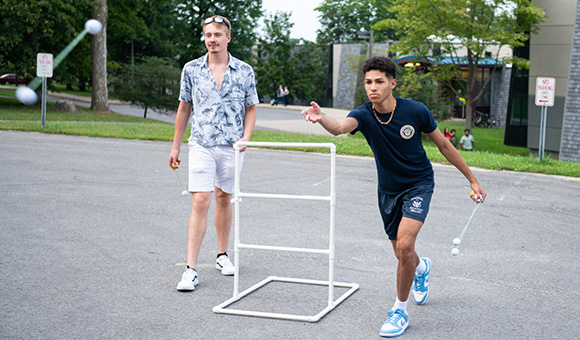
(407, 131)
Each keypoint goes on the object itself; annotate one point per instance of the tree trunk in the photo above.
(145, 113)
(468, 113)
(100, 94)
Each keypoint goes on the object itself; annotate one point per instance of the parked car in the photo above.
(10, 78)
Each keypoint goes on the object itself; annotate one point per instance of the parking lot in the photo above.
(93, 238)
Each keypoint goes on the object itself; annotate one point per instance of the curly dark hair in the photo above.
(383, 64)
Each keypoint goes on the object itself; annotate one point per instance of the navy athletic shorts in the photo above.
(412, 203)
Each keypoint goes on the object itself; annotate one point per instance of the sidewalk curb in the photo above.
(80, 98)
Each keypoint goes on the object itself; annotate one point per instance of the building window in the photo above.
(516, 133)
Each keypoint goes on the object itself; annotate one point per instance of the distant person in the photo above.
(392, 127)
(446, 133)
(279, 95)
(218, 96)
(286, 95)
(453, 138)
(467, 142)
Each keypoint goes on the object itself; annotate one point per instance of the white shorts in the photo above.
(212, 167)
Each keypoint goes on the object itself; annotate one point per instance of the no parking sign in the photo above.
(43, 70)
(44, 65)
(545, 91)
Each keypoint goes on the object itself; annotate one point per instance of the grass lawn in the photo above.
(61, 89)
(490, 151)
(15, 116)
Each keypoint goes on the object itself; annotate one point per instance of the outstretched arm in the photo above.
(454, 157)
(336, 127)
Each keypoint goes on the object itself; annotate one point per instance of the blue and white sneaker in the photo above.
(396, 323)
(421, 284)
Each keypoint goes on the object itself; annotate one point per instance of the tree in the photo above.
(31, 27)
(340, 20)
(309, 71)
(100, 93)
(273, 62)
(127, 27)
(152, 83)
(419, 86)
(300, 65)
(455, 25)
(160, 17)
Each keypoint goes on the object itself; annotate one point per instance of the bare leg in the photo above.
(197, 225)
(223, 219)
(404, 247)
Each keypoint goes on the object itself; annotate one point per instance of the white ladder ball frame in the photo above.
(221, 309)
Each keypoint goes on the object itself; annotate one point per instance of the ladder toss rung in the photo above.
(290, 249)
(284, 196)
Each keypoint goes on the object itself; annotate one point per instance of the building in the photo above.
(345, 79)
(553, 52)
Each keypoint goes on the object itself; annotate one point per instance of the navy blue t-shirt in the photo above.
(399, 154)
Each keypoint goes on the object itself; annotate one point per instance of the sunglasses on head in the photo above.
(218, 20)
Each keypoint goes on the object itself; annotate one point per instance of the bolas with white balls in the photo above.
(93, 26)
(185, 192)
(477, 198)
(455, 251)
(456, 241)
(26, 95)
(233, 200)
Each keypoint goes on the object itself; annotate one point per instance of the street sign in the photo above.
(545, 91)
(44, 65)
(363, 34)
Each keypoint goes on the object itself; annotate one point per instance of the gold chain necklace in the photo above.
(392, 113)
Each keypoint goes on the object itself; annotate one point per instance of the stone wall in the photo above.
(347, 74)
(570, 144)
(500, 87)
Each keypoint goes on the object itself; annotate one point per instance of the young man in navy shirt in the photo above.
(392, 127)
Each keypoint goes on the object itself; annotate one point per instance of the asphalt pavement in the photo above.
(93, 235)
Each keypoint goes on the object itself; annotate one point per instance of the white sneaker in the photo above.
(188, 280)
(223, 264)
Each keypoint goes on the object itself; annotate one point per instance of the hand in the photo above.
(313, 113)
(243, 148)
(174, 160)
(477, 193)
